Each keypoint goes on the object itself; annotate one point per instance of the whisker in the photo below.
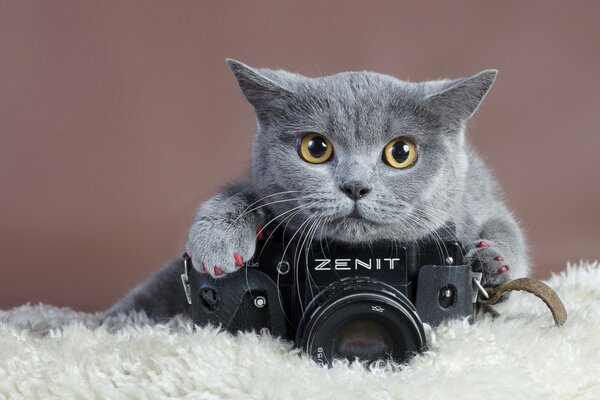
(454, 219)
(307, 243)
(297, 210)
(271, 195)
(467, 226)
(268, 204)
(285, 251)
(310, 280)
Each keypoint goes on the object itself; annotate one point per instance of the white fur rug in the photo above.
(52, 353)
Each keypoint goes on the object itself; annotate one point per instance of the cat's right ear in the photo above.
(259, 90)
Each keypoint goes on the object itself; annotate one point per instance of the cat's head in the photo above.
(358, 155)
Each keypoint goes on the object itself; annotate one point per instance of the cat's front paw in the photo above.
(218, 252)
(486, 258)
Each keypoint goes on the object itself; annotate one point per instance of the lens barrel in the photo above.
(360, 318)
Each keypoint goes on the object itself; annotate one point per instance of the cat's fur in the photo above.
(359, 112)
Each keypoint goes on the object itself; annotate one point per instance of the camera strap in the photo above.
(185, 277)
(529, 285)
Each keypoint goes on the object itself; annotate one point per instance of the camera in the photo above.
(365, 301)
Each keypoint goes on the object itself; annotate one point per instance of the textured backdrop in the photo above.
(118, 118)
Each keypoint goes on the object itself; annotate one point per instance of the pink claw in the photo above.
(503, 269)
(259, 233)
(499, 258)
(239, 261)
(204, 269)
(483, 244)
(218, 271)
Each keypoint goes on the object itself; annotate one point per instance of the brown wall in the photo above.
(118, 118)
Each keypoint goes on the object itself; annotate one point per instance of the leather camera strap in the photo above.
(529, 285)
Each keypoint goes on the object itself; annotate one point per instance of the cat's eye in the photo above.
(315, 148)
(400, 153)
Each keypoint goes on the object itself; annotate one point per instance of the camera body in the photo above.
(339, 300)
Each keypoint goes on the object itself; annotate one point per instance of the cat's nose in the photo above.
(355, 190)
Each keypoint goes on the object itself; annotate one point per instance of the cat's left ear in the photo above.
(458, 100)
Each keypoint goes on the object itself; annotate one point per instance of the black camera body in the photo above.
(336, 300)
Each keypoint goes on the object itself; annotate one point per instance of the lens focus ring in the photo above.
(358, 318)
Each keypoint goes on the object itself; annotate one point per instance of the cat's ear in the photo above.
(458, 100)
(260, 90)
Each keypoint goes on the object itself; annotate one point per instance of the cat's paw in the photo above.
(219, 252)
(486, 258)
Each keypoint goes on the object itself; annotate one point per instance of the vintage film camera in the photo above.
(337, 300)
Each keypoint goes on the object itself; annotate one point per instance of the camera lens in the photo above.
(363, 338)
(360, 318)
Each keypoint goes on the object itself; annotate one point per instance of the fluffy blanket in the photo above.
(53, 353)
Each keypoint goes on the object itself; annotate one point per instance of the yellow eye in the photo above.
(315, 149)
(400, 153)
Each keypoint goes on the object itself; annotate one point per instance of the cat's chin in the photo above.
(355, 229)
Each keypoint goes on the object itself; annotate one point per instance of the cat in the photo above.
(355, 156)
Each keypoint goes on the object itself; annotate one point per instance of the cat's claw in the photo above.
(239, 260)
(259, 232)
(221, 252)
(484, 257)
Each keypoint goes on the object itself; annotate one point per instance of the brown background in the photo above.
(118, 118)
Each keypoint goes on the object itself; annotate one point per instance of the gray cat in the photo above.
(356, 156)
